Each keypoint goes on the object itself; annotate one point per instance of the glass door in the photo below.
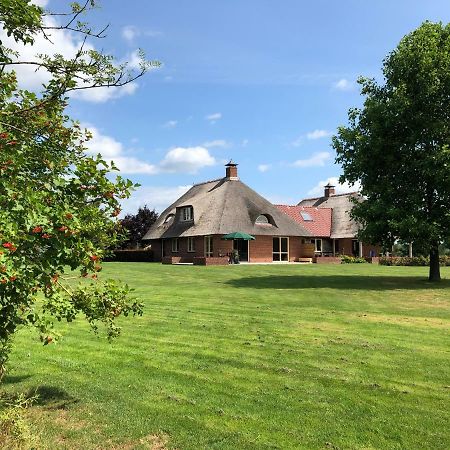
(242, 248)
(280, 250)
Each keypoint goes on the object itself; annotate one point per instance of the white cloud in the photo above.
(222, 143)
(213, 118)
(186, 159)
(177, 160)
(316, 160)
(318, 189)
(264, 167)
(131, 165)
(103, 94)
(297, 142)
(171, 124)
(130, 32)
(42, 3)
(344, 85)
(318, 134)
(113, 150)
(155, 197)
(62, 42)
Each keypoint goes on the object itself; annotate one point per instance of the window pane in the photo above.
(284, 257)
(318, 245)
(276, 257)
(284, 244)
(276, 244)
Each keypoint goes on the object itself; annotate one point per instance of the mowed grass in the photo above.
(252, 357)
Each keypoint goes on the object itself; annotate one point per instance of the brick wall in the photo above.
(214, 261)
(327, 259)
(261, 249)
(220, 248)
(345, 247)
(295, 248)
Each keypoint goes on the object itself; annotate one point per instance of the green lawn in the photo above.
(252, 357)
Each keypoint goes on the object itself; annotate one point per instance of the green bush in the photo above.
(414, 261)
(130, 256)
(352, 260)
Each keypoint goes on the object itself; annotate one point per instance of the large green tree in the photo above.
(398, 145)
(58, 206)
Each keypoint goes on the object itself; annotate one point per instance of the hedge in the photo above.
(414, 261)
(345, 259)
(131, 256)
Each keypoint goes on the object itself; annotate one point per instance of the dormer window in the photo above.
(187, 213)
(262, 220)
(169, 218)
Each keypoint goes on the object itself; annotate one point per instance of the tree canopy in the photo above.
(58, 206)
(136, 225)
(397, 145)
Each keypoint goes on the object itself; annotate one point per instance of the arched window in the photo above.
(262, 220)
(169, 218)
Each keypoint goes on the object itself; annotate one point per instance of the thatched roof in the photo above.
(342, 226)
(221, 207)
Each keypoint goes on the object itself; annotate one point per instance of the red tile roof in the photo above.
(320, 226)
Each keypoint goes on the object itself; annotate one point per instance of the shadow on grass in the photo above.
(344, 282)
(13, 379)
(52, 397)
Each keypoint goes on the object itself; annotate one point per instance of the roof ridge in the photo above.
(331, 196)
(304, 206)
(206, 182)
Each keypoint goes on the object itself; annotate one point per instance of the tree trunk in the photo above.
(435, 270)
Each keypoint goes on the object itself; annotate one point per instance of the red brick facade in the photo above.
(260, 250)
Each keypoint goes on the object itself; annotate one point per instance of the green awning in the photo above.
(238, 235)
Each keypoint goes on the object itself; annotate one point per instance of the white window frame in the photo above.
(175, 245)
(209, 250)
(315, 246)
(187, 213)
(191, 244)
(279, 253)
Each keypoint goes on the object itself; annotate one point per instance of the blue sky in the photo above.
(265, 83)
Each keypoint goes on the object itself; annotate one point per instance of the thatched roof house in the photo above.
(192, 227)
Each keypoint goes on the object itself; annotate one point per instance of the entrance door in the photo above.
(242, 248)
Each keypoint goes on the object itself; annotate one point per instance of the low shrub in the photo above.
(412, 261)
(345, 259)
(15, 432)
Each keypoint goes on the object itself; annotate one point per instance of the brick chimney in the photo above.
(231, 171)
(329, 190)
